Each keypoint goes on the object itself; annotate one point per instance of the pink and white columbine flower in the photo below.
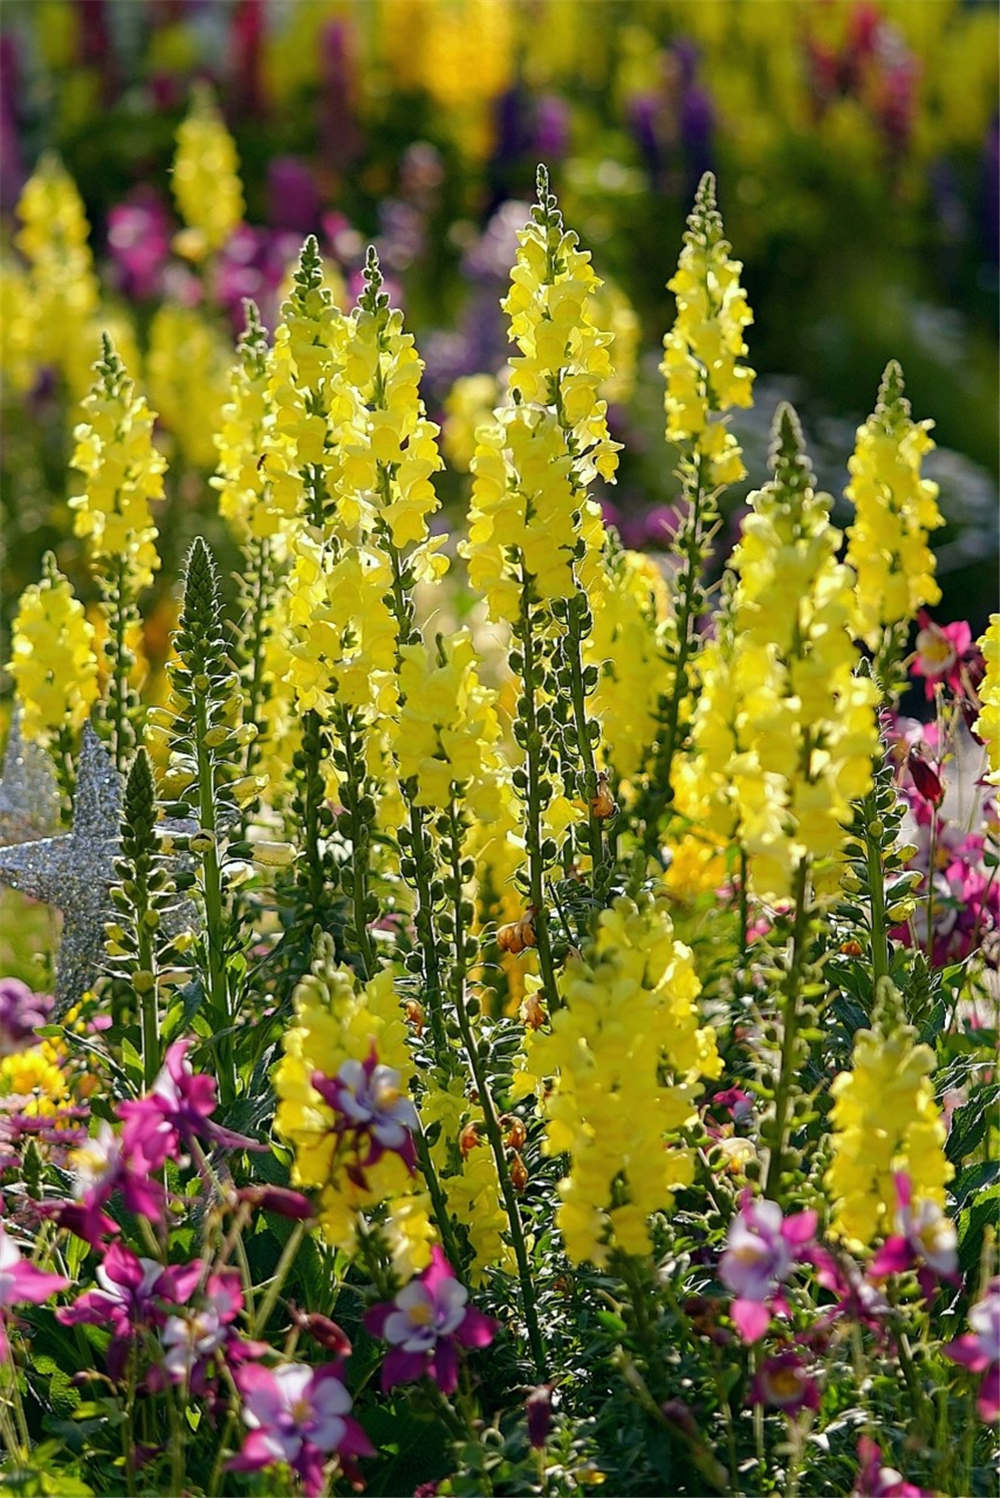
(300, 1416)
(425, 1323)
(761, 1249)
(133, 1297)
(785, 1383)
(21, 1283)
(372, 1108)
(979, 1350)
(925, 1239)
(191, 1339)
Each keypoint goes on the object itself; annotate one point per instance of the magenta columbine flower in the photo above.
(425, 1323)
(22, 1014)
(761, 1249)
(176, 1111)
(134, 1296)
(945, 653)
(876, 1481)
(785, 1383)
(372, 1110)
(21, 1283)
(979, 1350)
(300, 1416)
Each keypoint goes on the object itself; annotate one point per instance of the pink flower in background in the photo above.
(946, 655)
(21, 1283)
(876, 1481)
(761, 1249)
(785, 1383)
(979, 1350)
(22, 1014)
(299, 1416)
(426, 1323)
(139, 235)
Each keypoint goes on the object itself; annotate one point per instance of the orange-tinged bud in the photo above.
(533, 1012)
(415, 1014)
(469, 1139)
(517, 935)
(851, 948)
(516, 1133)
(518, 1173)
(603, 805)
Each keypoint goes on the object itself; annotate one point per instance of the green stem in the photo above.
(490, 1120)
(744, 915)
(931, 858)
(427, 938)
(790, 1018)
(533, 808)
(876, 893)
(215, 939)
(574, 654)
(274, 1289)
(354, 789)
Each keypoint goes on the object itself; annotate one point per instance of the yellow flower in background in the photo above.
(187, 372)
(246, 418)
(885, 1122)
(894, 510)
(123, 472)
(52, 657)
(467, 405)
(61, 283)
(206, 180)
(987, 725)
(703, 352)
(623, 1065)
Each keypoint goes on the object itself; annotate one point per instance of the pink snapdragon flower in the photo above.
(175, 1113)
(924, 1239)
(785, 1383)
(876, 1481)
(979, 1350)
(299, 1416)
(425, 1323)
(373, 1114)
(21, 1283)
(761, 1249)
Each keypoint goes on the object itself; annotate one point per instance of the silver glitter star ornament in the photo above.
(29, 796)
(75, 871)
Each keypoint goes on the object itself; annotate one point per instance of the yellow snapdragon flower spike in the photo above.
(206, 179)
(309, 399)
(187, 372)
(339, 1019)
(530, 519)
(246, 418)
(703, 352)
(894, 510)
(885, 1121)
(52, 657)
(987, 725)
(783, 732)
(625, 1057)
(447, 727)
(61, 284)
(123, 472)
(629, 647)
(389, 446)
